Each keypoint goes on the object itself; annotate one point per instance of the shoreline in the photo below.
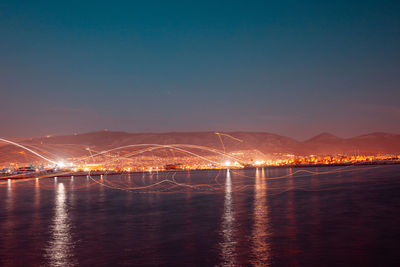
(99, 173)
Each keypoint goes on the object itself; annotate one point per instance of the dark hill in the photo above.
(76, 145)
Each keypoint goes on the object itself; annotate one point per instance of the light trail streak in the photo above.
(305, 175)
(298, 171)
(169, 183)
(172, 146)
(28, 149)
(222, 143)
(37, 149)
(113, 186)
(230, 136)
(220, 139)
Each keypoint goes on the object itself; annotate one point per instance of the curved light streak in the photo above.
(230, 136)
(28, 149)
(172, 146)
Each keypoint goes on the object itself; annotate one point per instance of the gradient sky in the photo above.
(295, 68)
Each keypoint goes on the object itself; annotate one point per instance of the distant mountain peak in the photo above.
(323, 137)
(377, 135)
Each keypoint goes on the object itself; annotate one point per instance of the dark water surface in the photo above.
(327, 216)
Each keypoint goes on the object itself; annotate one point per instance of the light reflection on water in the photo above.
(60, 249)
(260, 233)
(10, 203)
(9, 194)
(10, 206)
(228, 243)
(291, 220)
(37, 195)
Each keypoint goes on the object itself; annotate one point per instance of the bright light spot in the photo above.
(227, 163)
(259, 162)
(60, 164)
(61, 187)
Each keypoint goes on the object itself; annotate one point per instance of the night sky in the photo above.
(295, 68)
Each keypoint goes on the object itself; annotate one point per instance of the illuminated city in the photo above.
(155, 157)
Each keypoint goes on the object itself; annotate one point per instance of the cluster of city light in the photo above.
(80, 164)
(108, 161)
(119, 160)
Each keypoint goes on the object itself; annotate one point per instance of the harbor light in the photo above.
(259, 162)
(61, 164)
(227, 163)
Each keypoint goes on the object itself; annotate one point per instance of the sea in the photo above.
(314, 216)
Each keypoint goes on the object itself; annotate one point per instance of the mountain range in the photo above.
(65, 146)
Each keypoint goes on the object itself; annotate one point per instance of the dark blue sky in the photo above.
(295, 68)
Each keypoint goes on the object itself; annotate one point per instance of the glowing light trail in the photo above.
(172, 146)
(28, 149)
